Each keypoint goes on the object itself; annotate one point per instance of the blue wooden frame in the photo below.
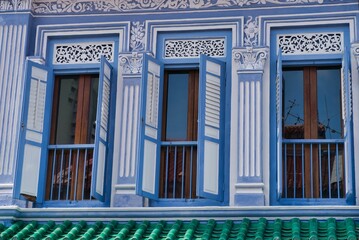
(305, 60)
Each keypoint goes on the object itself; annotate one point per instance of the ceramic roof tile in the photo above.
(262, 228)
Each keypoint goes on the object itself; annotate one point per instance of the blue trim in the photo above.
(143, 137)
(304, 60)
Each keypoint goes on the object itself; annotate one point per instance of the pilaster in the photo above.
(249, 65)
(13, 51)
(128, 96)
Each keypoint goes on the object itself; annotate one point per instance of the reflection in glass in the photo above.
(177, 106)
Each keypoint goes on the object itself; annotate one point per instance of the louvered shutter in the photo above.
(102, 127)
(347, 119)
(150, 133)
(279, 119)
(33, 141)
(211, 128)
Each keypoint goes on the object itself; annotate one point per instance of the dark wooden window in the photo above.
(73, 123)
(179, 130)
(312, 110)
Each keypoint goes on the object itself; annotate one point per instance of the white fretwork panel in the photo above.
(311, 43)
(192, 48)
(77, 53)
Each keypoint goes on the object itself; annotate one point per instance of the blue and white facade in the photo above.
(239, 50)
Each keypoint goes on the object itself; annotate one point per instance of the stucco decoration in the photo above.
(14, 5)
(71, 6)
(311, 43)
(77, 53)
(131, 63)
(250, 58)
(137, 42)
(192, 48)
(356, 52)
(251, 31)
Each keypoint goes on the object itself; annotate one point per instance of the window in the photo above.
(73, 122)
(63, 149)
(182, 132)
(313, 136)
(179, 135)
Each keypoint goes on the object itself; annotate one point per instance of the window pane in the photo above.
(177, 106)
(66, 113)
(293, 104)
(76, 110)
(329, 105)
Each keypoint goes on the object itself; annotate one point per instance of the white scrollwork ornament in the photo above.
(137, 42)
(251, 31)
(250, 59)
(66, 6)
(131, 63)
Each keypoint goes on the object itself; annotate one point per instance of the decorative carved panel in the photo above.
(311, 43)
(192, 48)
(77, 53)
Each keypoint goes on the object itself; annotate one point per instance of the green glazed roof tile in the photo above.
(278, 229)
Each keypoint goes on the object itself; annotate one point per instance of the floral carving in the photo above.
(14, 5)
(137, 36)
(82, 53)
(71, 6)
(250, 58)
(192, 48)
(311, 43)
(131, 63)
(251, 31)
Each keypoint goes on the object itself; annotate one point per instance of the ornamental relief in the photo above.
(310, 43)
(192, 48)
(82, 53)
(14, 5)
(70, 6)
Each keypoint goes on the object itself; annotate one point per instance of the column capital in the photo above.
(250, 59)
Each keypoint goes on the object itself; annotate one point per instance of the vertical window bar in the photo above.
(60, 182)
(68, 174)
(294, 172)
(53, 175)
(320, 171)
(183, 163)
(285, 172)
(76, 172)
(166, 169)
(174, 174)
(329, 167)
(303, 172)
(337, 168)
(84, 175)
(190, 173)
(311, 171)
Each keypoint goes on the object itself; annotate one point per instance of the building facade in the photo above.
(179, 103)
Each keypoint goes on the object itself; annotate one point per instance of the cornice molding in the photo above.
(96, 6)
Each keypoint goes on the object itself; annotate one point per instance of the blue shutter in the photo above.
(211, 128)
(347, 117)
(150, 133)
(279, 119)
(102, 126)
(33, 141)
